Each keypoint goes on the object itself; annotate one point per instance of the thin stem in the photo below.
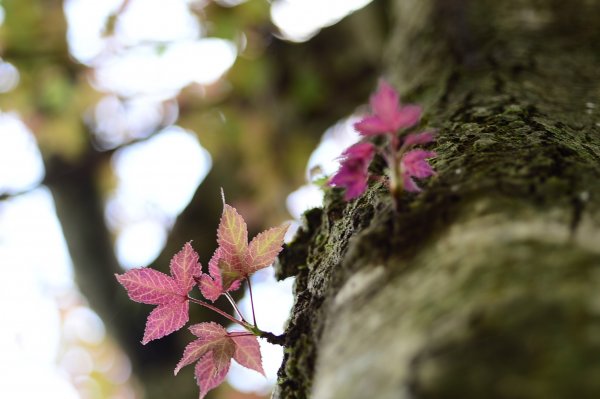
(235, 307)
(240, 334)
(396, 184)
(252, 302)
(392, 157)
(242, 323)
(252, 330)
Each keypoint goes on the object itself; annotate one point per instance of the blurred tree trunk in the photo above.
(486, 284)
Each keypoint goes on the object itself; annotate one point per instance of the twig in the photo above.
(242, 323)
(252, 302)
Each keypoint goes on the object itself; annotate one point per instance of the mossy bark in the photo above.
(486, 285)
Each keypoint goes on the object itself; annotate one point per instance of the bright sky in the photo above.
(140, 69)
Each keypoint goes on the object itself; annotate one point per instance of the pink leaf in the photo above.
(235, 285)
(231, 274)
(194, 351)
(165, 319)
(385, 103)
(410, 185)
(247, 352)
(210, 288)
(149, 286)
(407, 116)
(264, 248)
(388, 115)
(207, 376)
(215, 349)
(414, 163)
(371, 126)
(418, 138)
(213, 265)
(208, 330)
(232, 236)
(353, 172)
(362, 150)
(210, 337)
(235, 260)
(170, 293)
(184, 267)
(223, 350)
(223, 277)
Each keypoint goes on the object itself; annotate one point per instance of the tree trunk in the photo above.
(486, 284)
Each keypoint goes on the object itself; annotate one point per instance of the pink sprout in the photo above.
(388, 115)
(353, 172)
(413, 164)
(418, 139)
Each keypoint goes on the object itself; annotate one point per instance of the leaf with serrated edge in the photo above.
(229, 274)
(211, 286)
(213, 265)
(149, 286)
(184, 267)
(207, 376)
(194, 351)
(165, 319)
(223, 350)
(264, 248)
(232, 235)
(247, 352)
(208, 330)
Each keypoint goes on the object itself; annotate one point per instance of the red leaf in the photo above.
(149, 286)
(212, 286)
(264, 248)
(232, 236)
(166, 319)
(223, 350)
(418, 138)
(222, 278)
(152, 287)
(230, 274)
(247, 352)
(193, 352)
(196, 349)
(184, 267)
(214, 349)
(207, 377)
(235, 259)
(208, 330)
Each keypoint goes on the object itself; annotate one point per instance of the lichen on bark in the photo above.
(486, 284)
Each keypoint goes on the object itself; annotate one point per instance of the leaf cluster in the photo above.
(233, 262)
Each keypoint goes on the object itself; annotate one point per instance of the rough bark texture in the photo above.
(485, 285)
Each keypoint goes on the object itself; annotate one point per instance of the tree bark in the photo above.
(486, 284)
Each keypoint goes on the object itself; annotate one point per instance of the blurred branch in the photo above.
(11, 195)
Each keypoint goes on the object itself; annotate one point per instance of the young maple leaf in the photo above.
(354, 166)
(214, 349)
(418, 138)
(235, 259)
(152, 287)
(414, 164)
(211, 285)
(388, 115)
